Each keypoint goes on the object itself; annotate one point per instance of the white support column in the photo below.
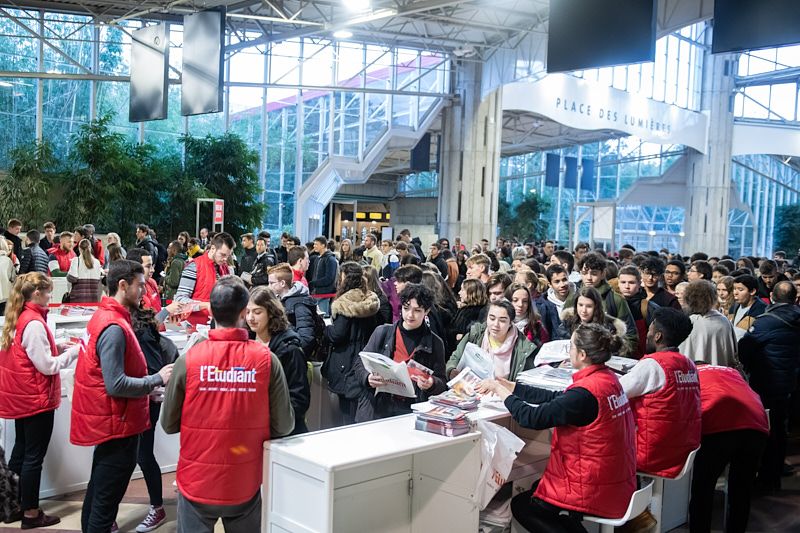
(470, 178)
(709, 180)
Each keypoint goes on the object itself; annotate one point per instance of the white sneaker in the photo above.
(154, 519)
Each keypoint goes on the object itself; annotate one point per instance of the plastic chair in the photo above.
(639, 501)
(658, 488)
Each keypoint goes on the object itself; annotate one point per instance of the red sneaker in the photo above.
(154, 519)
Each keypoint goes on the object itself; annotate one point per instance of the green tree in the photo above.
(787, 229)
(523, 221)
(26, 187)
(226, 167)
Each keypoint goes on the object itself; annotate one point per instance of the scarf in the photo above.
(502, 354)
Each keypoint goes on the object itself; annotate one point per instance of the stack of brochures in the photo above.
(447, 421)
(547, 377)
(451, 398)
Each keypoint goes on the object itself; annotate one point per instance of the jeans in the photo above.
(113, 463)
(348, 409)
(742, 450)
(147, 460)
(196, 517)
(27, 456)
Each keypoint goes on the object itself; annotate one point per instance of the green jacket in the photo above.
(521, 359)
(623, 313)
(173, 275)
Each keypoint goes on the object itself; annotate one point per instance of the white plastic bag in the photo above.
(480, 361)
(499, 448)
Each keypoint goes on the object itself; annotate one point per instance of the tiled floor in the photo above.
(769, 514)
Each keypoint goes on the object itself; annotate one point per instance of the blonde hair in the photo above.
(21, 292)
(85, 249)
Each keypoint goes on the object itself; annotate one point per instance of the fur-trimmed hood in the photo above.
(568, 315)
(356, 304)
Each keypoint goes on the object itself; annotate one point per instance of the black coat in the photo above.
(260, 270)
(770, 350)
(286, 347)
(464, 318)
(248, 260)
(384, 315)
(430, 352)
(299, 311)
(440, 264)
(354, 320)
(33, 259)
(324, 278)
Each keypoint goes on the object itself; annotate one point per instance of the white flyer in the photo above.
(398, 381)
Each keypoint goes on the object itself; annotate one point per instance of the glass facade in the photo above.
(296, 102)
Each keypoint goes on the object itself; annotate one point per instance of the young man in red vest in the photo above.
(735, 430)
(110, 400)
(201, 273)
(664, 392)
(220, 465)
(152, 298)
(61, 256)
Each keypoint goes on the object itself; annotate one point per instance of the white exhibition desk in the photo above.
(67, 467)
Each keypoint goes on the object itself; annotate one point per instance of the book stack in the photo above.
(447, 421)
(451, 398)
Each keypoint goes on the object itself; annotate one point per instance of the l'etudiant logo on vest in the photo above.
(687, 378)
(227, 380)
(618, 404)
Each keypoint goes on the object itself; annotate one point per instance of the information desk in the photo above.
(378, 476)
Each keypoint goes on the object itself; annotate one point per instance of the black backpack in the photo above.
(161, 257)
(318, 350)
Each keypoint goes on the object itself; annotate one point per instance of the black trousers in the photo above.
(113, 463)
(742, 450)
(147, 459)
(348, 409)
(538, 516)
(769, 473)
(27, 456)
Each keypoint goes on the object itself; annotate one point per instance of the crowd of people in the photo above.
(717, 341)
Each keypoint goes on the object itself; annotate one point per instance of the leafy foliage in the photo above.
(787, 229)
(525, 220)
(226, 167)
(26, 187)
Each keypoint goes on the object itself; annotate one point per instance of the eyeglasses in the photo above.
(672, 273)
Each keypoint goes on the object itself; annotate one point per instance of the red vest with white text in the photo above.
(668, 421)
(206, 279)
(24, 391)
(96, 416)
(151, 298)
(592, 469)
(729, 404)
(225, 418)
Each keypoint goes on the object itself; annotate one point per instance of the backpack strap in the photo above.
(611, 304)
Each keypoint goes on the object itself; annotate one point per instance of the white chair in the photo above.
(639, 501)
(658, 488)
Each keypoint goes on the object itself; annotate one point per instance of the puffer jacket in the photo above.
(769, 350)
(300, 309)
(354, 320)
(33, 259)
(521, 359)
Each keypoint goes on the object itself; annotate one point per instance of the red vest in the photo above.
(668, 421)
(96, 416)
(99, 253)
(206, 279)
(729, 404)
(64, 258)
(592, 469)
(151, 298)
(24, 391)
(225, 418)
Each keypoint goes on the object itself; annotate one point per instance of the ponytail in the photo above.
(21, 292)
(598, 342)
(85, 249)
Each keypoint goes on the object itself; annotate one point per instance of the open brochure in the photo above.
(398, 380)
(547, 377)
(480, 361)
(552, 352)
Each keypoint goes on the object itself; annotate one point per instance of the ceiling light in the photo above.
(533, 191)
(5, 84)
(356, 5)
(652, 233)
(343, 34)
(375, 15)
(682, 234)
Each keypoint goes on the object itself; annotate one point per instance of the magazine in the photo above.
(398, 380)
(418, 371)
(547, 377)
(552, 352)
(480, 361)
(465, 383)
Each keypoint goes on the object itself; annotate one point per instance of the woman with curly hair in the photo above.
(713, 339)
